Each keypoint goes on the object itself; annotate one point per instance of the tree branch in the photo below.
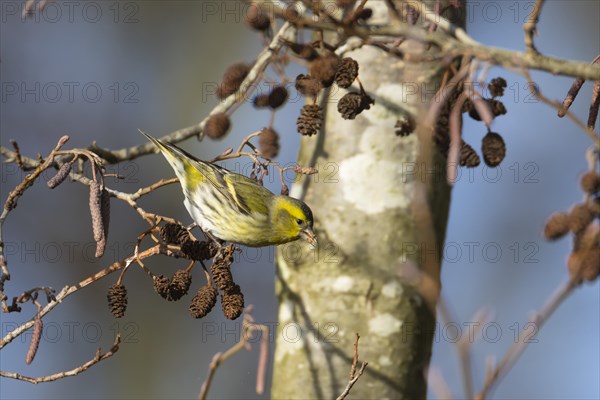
(452, 47)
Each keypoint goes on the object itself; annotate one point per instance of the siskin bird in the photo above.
(235, 208)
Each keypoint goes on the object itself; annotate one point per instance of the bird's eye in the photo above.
(299, 221)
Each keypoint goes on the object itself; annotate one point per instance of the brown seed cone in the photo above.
(496, 107)
(180, 284)
(117, 300)
(268, 143)
(473, 113)
(590, 182)
(307, 85)
(324, 68)
(352, 104)
(349, 105)
(38, 328)
(221, 272)
(468, 106)
(585, 264)
(257, 18)
(579, 217)
(497, 86)
(61, 175)
(204, 301)
(468, 156)
(232, 79)
(556, 226)
(217, 126)
(310, 119)
(232, 302)
(493, 149)
(161, 286)
(405, 126)
(278, 97)
(174, 233)
(198, 250)
(346, 72)
(304, 51)
(173, 289)
(261, 101)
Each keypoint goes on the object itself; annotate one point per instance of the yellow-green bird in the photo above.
(235, 208)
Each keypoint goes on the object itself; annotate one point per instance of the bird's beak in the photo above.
(308, 235)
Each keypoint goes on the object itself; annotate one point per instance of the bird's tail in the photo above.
(174, 155)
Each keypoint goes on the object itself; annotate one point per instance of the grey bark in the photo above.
(362, 199)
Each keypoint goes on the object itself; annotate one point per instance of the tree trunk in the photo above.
(362, 201)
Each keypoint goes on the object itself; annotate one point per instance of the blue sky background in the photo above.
(151, 65)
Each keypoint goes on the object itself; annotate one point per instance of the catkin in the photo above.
(38, 327)
(61, 175)
(95, 210)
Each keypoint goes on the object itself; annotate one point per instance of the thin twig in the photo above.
(480, 105)
(443, 94)
(535, 91)
(354, 358)
(248, 327)
(530, 27)
(351, 383)
(464, 355)
(463, 346)
(594, 105)
(263, 360)
(438, 384)
(129, 198)
(148, 189)
(18, 157)
(573, 91)
(443, 23)
(70, 289)
(570, 97)
(11, 203)
(75, 371)
(354, 376)
(519, 346)
(455, 129)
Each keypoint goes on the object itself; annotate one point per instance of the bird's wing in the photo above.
(248, 194)
(245, 193)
